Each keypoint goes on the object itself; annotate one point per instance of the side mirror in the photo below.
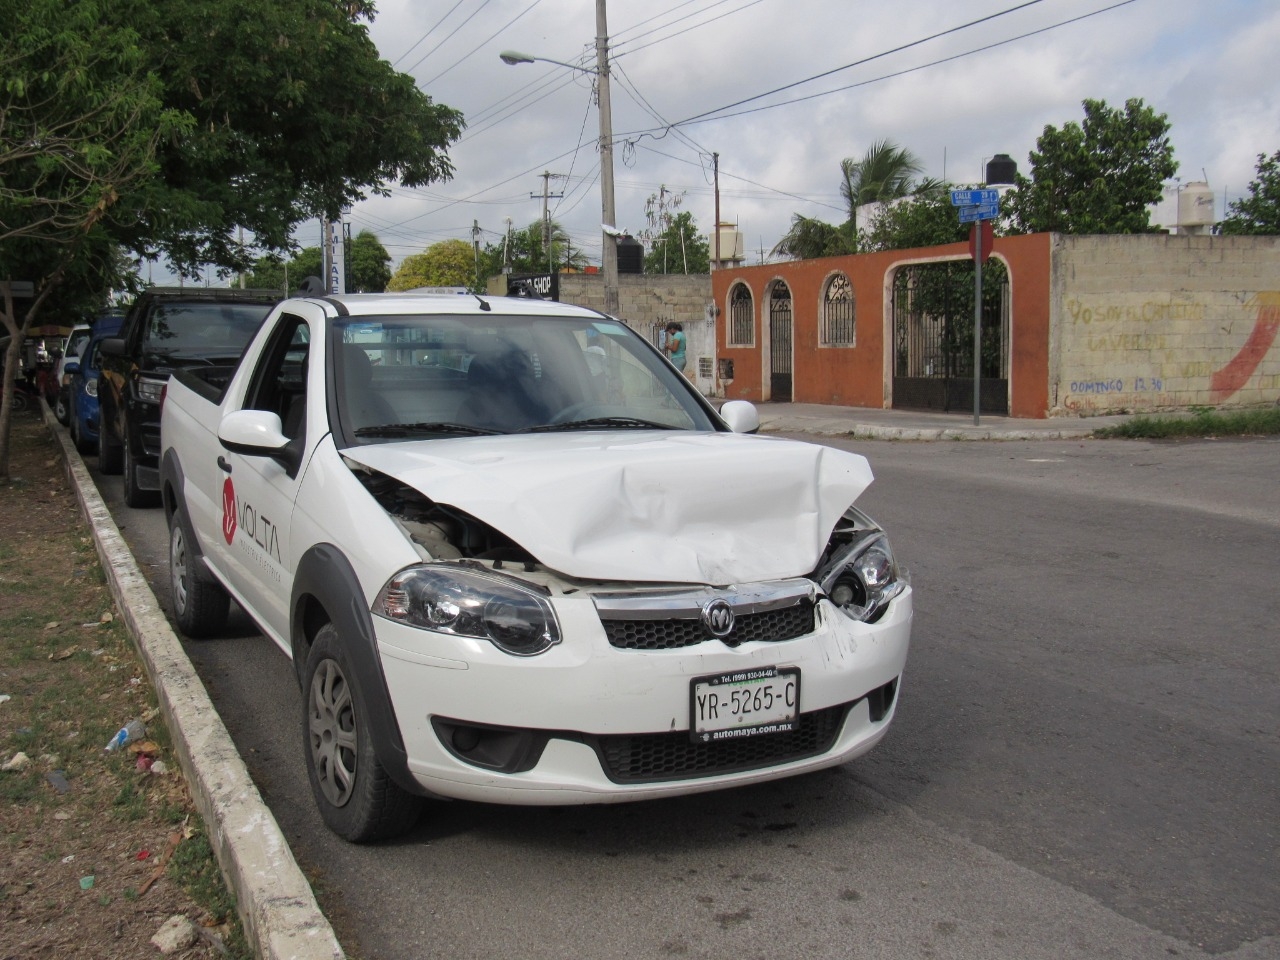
(114, 347)
(259, 433)
(741, 416)
(70, 368)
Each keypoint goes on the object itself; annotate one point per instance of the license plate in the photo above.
(745, 703)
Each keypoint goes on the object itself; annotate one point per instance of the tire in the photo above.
(200, 605)
(62, 409)
(110, 456)
(84, 445)
(357, 799)
(134, 494)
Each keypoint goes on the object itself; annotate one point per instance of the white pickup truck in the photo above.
(516, 558)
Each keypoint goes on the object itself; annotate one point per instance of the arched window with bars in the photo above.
(839, 326)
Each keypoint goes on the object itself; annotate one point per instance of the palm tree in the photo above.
(885, 172)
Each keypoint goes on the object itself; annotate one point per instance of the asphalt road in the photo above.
(1085, 761)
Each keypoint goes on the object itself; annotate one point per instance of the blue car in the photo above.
(84, 385)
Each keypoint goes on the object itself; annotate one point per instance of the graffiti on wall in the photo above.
(1165, 336)
(1232, 377)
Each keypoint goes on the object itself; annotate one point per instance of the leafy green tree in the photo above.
(922, 221)
(1097, 177)
(449, 263)
(526, 253)
(679, 248)
(1259, 212)
(884, 173)
(80, 120)
(369, 264)
(273, 272)
(296, 116)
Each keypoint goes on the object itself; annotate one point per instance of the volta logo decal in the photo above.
(1223, 383)
(228, 511)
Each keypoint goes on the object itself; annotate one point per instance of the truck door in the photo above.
(258, 493)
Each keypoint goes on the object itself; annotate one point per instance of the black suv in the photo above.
(166, 329)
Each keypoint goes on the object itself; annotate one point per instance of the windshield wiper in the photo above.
(405, 429)
(624, 423)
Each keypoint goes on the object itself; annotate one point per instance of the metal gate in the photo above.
(933, 338)
(780, 343)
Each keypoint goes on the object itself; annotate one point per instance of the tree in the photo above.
(449, 263)
(679, 248)
(525, 253)
(1099, 177)
(922, 221)
(1259, 212)
(885, 172)
(80, 121)
(279, 137)
(369, 264)
(272, 272)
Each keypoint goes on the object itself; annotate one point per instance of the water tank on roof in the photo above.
(1001, 169)
(1195, 205)
(731, 248)
(630, 255)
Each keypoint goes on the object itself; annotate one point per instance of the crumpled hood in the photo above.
(713, 508)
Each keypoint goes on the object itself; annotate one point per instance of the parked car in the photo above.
(515, 557)
(84, 384)
(71, 349)
(166, 329)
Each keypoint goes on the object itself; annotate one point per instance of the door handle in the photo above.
(223, 465)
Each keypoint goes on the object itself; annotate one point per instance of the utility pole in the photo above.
(475, 243)
(546, 214)
(609, 247)
(506, 249)
(715, 165)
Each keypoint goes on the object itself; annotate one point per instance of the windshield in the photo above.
(76, 342)
(178, 330)
(425, 376)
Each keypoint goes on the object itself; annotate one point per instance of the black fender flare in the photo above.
(173, 495)
(325, 580)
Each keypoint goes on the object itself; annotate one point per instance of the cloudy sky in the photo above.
(783, 90)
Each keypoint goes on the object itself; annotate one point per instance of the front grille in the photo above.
(785, 624)
(644, 758)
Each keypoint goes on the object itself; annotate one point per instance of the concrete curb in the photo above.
(276, 904)
(844, 428)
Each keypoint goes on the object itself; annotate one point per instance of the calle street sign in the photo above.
(980, 211)
(969, 198)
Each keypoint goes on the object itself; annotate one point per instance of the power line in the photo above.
(417, 62)
(427, 34)
(472, 51)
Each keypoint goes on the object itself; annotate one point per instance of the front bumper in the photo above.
(608, 725)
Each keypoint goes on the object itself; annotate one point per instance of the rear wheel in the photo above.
(134, 494)
(357, 798)
(200, 606)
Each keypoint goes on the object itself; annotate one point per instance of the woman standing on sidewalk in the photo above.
(675, 344)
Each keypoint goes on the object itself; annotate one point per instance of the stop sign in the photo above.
(988, 239)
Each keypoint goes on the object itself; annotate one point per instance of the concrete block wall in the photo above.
(648, 302)
(1151, 322)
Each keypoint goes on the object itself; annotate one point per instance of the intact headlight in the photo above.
(91, 386)
(470, 603)
(149, 389)
(862, 577)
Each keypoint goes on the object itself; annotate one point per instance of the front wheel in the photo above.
(358, 800)
(62, 409)
(134, 494)
(200, 606)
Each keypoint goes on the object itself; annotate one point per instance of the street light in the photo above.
(608, 246)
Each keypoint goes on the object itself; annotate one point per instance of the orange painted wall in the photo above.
(860, 376)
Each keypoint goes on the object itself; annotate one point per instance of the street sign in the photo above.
(21, 289)
(980, 211)
(969, 198)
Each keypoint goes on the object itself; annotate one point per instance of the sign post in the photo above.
(978, 207)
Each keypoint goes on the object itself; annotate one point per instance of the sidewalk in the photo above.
(875, 424)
